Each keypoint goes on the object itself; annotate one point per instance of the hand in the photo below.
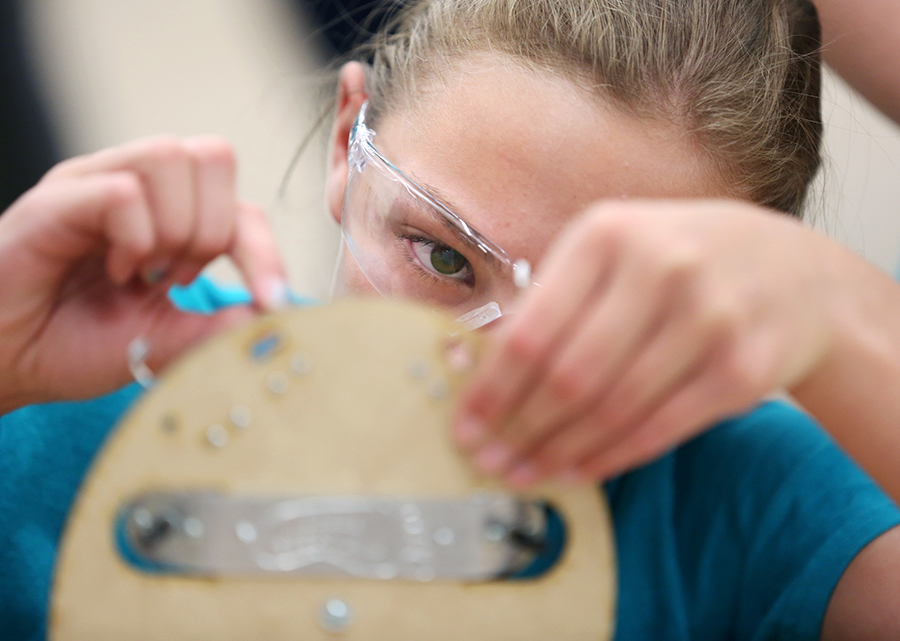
(89, 253)
(652, 321)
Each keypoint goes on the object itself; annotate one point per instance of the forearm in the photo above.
(860, 41)
(855, 393)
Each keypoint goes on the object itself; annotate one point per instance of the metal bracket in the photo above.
(478, 538)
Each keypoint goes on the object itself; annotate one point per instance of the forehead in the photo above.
(520, 152)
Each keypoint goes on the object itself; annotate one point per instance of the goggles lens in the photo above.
(408, 244)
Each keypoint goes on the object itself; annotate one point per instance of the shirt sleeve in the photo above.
(784, 511)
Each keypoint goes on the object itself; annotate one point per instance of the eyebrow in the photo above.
(449, 225)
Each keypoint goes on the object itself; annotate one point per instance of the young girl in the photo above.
(482, 134)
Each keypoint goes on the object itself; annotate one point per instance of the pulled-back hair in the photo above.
(741, 76)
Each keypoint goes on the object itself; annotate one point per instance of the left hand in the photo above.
(652, 321)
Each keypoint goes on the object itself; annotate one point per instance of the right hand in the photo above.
(88, 256)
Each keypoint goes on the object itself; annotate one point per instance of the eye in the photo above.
(440, 259)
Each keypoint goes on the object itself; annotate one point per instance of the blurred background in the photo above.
(78, 75)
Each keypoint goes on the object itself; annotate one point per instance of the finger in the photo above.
(626, 319)
(256, 255)
(54, 225)
(711, 397)
(215, 199)
(685, 345)
(166, 169)
(186, 272)
(573, 272)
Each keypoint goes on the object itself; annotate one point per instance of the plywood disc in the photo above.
(350, 399)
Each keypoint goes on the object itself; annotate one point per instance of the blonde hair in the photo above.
(741, 76)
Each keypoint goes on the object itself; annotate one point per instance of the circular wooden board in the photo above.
(350, 398)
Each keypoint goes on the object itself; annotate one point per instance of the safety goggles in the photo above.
(410, 245)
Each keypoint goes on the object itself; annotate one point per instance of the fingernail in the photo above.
(276, 295)
(469, 432)
(155, 275)
(522, 475)
(492, 458)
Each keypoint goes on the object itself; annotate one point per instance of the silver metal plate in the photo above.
(478, 538)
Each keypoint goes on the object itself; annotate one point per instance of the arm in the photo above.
(860, 41)
(855, 391)
(864, 605)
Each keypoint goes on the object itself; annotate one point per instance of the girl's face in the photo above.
(517, 154)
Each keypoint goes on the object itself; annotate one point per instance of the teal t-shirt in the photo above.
(741, 534)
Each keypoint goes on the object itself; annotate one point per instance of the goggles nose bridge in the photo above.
(480, 317)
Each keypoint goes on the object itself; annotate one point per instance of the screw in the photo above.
(217, 436)
(335, 616)
(301, 363)
(443, 536)
(246, 531)
(419, 369)
(143, 518)
(495, 531)
(193, 527)
(277, 382)
(168, 423)
(241, 416)
(438, 389)
(425, 574)
(151, 528)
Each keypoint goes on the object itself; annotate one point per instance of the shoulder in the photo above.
(753, 522)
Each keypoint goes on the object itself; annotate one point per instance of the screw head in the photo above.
(217, 436)
(495, 531)
(277, 383)
(418, 369)
(335, 616)
(241, 416)
(193, 527)
(168, 423)
(301, 363)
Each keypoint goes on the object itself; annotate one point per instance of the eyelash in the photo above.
(413, 260)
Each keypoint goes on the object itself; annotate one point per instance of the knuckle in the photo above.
(609, 226)
(523, 347)
(213, 149)
(61, 169)
(616, 410)
(166, 150)
(137, 245)
(123, 189)
(208, 245)
(569, 384)
(680, 265)
(720, 318)
(172, 236)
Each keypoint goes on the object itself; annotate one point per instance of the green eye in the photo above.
(446, 260)
(439, 259)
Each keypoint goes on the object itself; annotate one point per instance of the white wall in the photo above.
(860, 185)
(115, 70)
(118, 69)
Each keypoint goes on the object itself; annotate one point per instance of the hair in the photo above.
(742, 77)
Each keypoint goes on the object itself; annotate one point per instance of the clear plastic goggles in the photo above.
(409, 244)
